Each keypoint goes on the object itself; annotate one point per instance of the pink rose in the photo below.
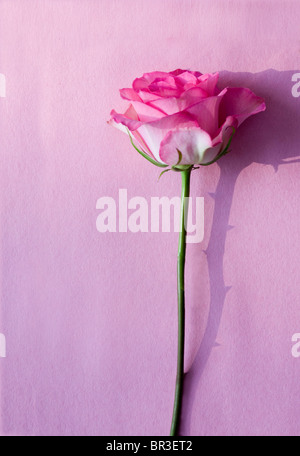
(182, 116)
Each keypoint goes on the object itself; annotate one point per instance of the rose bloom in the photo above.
(182, 116)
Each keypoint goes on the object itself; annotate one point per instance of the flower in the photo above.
(182, 118)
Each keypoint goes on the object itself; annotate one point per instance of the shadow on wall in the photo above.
(271, 138)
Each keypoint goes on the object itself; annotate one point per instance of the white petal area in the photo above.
(191, 142)
(210, 154)
(135, 135)
(117, 125)
(153, 133)
(129, 119)
(152, 137)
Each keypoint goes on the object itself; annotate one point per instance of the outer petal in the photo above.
(142, 143)
(147, 113)
(211, 153)
(191, 142)
(136, 136)
(153, 133)
(129, 94)
(129, 119)
(240, 103)
(221, 140)
(119, 126)
(123, 122)
(206, 112)
(225, 131)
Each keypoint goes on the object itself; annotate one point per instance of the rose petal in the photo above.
(137, 136)
(147, 113)
(129, 94)
(154, 132)
(225, 131)
(172, 105)
(211, 153)
(129, 119)
(147, 78)
(206, 112)
(186, 77)
(119, 126)
(165, 87)
(169, 106)
(147, 96)
(192, 96)
(240, 103)
(123, 122)
(221, 140)
(191, 142)
(178, 72)
(208, 82)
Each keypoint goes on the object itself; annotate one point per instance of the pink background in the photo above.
(90, 319)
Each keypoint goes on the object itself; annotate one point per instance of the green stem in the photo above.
(186, 174)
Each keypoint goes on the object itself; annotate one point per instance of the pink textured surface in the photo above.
(90, 318)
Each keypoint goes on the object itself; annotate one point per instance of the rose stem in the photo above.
(186, 174)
